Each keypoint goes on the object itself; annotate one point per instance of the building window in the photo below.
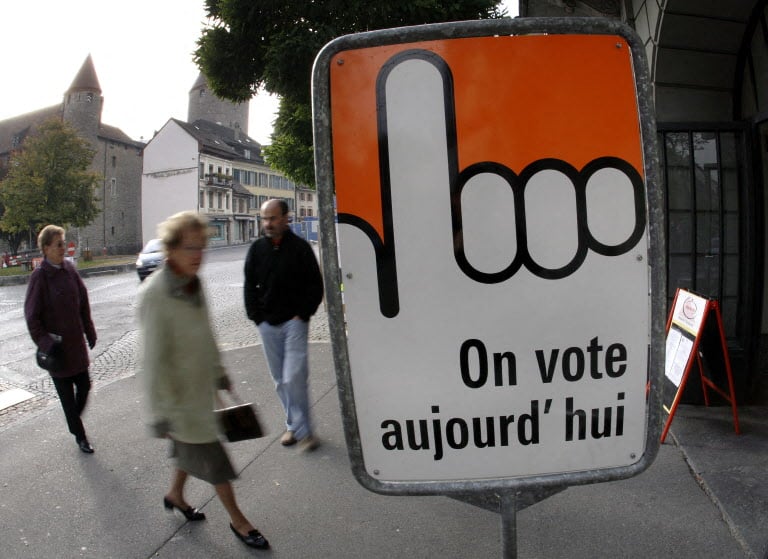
(219, 199)
(210, 200)
(226, 200)
(309, 212)
(247, 153)
(202, 198)
(113, 186)
(202, 171)
(309, 196)
(114, 161)
(301, 196)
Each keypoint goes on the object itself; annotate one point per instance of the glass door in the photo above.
(710, 228)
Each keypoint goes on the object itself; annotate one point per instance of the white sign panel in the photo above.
(494, 255)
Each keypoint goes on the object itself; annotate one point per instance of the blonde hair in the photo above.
(47, 234)
(172, 229)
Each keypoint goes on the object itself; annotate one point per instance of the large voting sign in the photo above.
(484, 191)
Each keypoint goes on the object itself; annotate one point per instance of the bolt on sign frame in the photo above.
(491, 224)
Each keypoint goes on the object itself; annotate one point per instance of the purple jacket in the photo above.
(57, 303)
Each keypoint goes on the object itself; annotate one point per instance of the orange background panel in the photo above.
(517, 100)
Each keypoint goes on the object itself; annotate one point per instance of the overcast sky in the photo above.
(142, 52)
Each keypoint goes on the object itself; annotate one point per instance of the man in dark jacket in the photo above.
(283, 288)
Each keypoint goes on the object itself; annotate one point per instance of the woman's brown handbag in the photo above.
(239, 422)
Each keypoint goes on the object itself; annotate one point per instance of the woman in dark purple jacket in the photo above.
(56, 306)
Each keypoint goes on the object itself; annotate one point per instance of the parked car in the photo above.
(150, 257)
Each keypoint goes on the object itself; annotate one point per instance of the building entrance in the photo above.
(712, 232)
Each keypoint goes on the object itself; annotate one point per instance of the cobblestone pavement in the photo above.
(223, 284)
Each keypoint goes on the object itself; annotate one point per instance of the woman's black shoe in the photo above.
(189, 513)
(85, 446)
(253, 539)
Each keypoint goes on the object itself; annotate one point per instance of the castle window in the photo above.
(114, 161)
(89, 97)
(113, 186)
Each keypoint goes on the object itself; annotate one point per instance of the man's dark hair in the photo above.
(284, 209)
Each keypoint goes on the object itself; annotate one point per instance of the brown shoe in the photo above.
(308, 444)
(288, 439)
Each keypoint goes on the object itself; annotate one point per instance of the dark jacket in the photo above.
(57, 303)
(281, 281)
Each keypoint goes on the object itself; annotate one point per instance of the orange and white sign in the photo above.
(493, 243)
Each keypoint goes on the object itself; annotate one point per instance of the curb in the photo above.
(85, 273)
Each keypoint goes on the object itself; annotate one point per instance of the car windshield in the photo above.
(155, 245)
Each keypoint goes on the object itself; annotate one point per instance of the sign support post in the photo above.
(508, 525)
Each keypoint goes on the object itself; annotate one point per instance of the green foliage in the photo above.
(272, 44)
(48, 181)
(291, 151)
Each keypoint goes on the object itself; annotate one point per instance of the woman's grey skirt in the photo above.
(206, 461)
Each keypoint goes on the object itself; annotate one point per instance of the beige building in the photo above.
(210, 165)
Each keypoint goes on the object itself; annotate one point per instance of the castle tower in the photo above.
(204, 105)
(83, 101)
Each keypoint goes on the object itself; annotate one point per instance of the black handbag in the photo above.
(51, 360)
(239, 422)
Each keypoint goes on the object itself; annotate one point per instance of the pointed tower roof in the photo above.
(86, 79)
(199, 82)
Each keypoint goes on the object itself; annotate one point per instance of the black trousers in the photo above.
(73, 393)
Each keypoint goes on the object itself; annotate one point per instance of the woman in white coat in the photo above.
(182, 371)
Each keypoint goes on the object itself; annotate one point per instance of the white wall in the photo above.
(169, 182)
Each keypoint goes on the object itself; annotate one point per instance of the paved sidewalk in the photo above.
(705, 498)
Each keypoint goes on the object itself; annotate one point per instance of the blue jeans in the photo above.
(285, 347)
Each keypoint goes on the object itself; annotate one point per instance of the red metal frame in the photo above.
(712, 305)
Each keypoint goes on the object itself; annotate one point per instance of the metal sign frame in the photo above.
(324, 170)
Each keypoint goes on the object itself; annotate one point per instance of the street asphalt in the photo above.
(706, 494)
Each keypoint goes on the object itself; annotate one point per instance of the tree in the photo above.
(272, 44)
(48, 181)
